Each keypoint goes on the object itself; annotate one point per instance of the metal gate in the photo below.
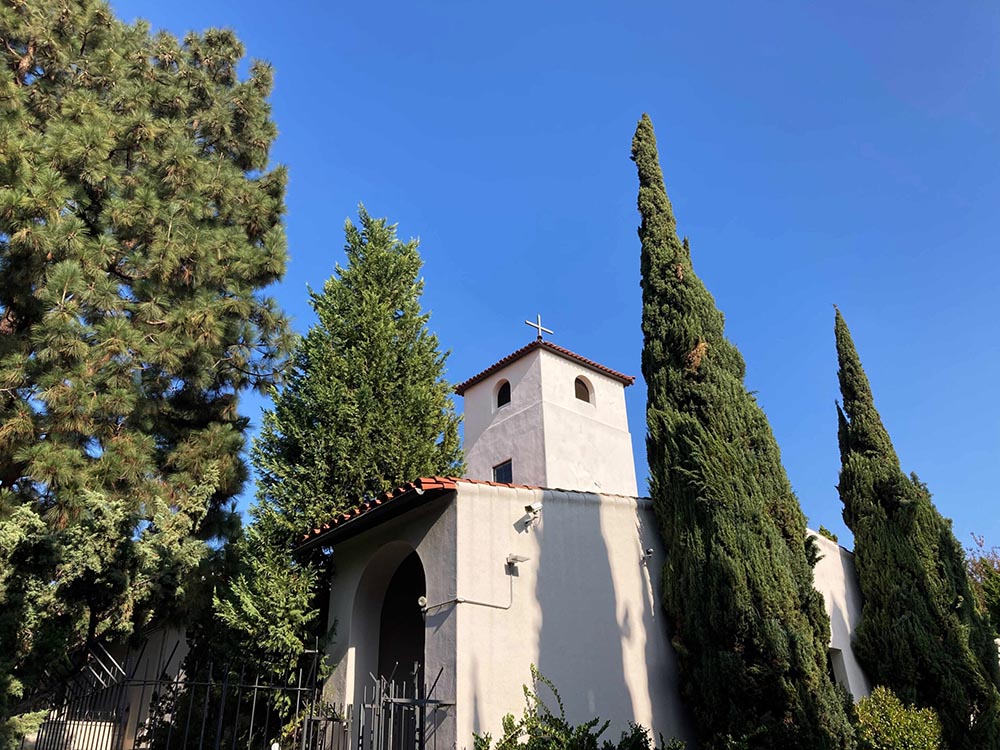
(399, 715)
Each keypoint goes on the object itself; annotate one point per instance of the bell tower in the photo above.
(547, 417)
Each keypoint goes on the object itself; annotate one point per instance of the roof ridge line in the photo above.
(625, 380)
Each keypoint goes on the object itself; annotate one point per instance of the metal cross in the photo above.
(538, 324)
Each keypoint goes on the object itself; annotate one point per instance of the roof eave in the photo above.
(625, 380)
(374, 512)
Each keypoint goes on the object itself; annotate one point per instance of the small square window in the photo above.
(503, 472)
(836, 667)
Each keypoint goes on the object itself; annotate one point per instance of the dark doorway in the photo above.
(401, 632)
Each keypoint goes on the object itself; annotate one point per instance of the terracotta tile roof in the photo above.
(400, 499)
(416, 488)
(626, 380)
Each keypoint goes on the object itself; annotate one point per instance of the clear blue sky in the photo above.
(815, 153)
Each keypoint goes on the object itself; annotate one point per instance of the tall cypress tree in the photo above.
(365, 409)
(750, 630)
(920, 633)
(140, 222)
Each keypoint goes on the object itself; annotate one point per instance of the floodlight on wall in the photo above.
(532, 511)
(513, 559)
(647, 555)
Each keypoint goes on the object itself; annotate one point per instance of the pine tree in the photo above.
(920, 633)
(749, 629)
(139, 225)
(365, 409)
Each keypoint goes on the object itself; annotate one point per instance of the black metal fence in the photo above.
(110, 706)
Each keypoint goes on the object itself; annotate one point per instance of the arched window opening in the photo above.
(503, 394)
(582, 390)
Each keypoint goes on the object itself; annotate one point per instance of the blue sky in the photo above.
(815, 153)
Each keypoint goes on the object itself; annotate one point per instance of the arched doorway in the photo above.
(401, 625)
(387, 626)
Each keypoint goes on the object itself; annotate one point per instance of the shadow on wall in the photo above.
(577, 645)
(477, 709)
(668, 708)
(600, 642)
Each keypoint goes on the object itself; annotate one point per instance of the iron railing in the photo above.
(109, 706)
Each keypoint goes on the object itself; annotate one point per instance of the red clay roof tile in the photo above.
(417, 487)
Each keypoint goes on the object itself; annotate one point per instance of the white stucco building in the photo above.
(543, 555)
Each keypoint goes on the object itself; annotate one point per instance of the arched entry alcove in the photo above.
(387, 626)
(401, 631)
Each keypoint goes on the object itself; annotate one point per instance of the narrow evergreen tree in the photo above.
(139, 224)
(366, 406)
(920, 633)
(750, 630)
(365, 409)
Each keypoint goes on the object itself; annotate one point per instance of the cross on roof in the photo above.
(538, 325)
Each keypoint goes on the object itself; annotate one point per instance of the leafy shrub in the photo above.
(884, 723)
(539, 728)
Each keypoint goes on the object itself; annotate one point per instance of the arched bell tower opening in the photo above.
(401, 627)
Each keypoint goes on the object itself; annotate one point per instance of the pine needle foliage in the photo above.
(920, 632)
(750, 631)
(140, 223)
(365, 408)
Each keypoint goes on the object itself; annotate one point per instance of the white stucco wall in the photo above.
(587, 445)
(837, 580)
(584, 608)
(552, 438)
(515, 431)
(364, 566)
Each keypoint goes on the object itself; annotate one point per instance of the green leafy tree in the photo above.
(884, 723)
(750, 631)
(920, 633)
(365, 409)
(139, 225)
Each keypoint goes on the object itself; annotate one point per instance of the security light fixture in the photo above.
(513, 559)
